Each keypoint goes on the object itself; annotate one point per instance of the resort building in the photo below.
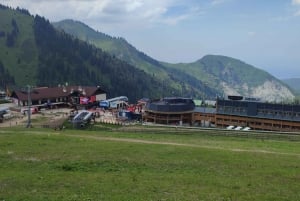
(257, 115)
(59, 96)
(174, 111)
(235, 112)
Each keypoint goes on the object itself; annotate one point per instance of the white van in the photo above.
(238, 128)
(230, 127)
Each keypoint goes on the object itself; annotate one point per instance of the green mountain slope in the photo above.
(34, 52)
(180, 81)
(18, 50)
(234, 77)
(210, 76)
(214, 70)
(118, 47)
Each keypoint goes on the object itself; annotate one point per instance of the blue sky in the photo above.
(263, 33)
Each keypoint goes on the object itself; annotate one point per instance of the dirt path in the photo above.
(139, 141)
(179, 144)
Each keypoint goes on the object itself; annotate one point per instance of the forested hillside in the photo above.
(18, 51)
(118, 47)
(36, 53)
(210, 76)
(33, 52)
(188, 85)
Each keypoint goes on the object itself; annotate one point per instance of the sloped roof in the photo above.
(55, 92)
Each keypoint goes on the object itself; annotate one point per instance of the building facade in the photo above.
(235, 112)
(170, 111)
(258, 115)
(58, 96)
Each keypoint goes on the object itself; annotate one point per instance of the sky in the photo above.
(263, 33)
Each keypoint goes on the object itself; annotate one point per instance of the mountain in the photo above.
(293, 83)
(33, 52)
(188, 85)
(210, 76)
(234, 77)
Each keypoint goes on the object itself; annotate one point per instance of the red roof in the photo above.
(56, 92)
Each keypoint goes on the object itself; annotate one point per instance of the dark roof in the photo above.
(289, 112)
(171, 104)
(56, 92)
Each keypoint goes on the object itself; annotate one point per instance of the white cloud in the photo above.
(175, 20)
(107, 11)
(133, 5)
(297, 13)
(296, 2)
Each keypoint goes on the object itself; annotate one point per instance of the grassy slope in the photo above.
(115, 46)
(76, 165)
(23, 55)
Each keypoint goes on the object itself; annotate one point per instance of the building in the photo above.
(257, 115)
(114, 103)
(235, 111)
(59, 96)
(173, 110)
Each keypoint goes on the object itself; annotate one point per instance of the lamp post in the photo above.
(29, 107)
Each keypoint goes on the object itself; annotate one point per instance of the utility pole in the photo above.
(29, 107)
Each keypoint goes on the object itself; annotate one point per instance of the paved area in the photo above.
(42, 117)
(50, 117)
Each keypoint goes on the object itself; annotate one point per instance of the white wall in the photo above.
(100, 97)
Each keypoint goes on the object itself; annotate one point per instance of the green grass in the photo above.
(42, 164)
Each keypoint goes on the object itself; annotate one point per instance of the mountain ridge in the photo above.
(235, 77)
(225, 75)
(121, 49)
(57, 57)
(33, 52)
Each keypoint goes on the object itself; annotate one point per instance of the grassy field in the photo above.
(41, 164)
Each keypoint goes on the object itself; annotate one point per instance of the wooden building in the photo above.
(258, 115)
(234, 112)
(170, 111)
(59, 96)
